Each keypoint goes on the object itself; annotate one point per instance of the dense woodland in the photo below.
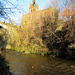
(51, 38)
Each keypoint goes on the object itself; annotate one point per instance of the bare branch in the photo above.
(12, 4)
(7, 8)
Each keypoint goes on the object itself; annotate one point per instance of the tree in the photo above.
(1, 10)
(7, 9)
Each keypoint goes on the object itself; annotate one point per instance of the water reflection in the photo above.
(31, 64)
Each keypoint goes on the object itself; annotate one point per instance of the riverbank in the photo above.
(4, 68)
(30, 50)
(52, 54)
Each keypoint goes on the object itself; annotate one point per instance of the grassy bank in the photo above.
(30, 50)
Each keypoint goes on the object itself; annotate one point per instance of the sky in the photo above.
(22, 8)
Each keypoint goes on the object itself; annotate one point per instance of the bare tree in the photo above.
(7, 8)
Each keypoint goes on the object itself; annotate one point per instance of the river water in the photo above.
(33, 64)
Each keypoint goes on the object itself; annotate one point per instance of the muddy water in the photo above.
(32, 64)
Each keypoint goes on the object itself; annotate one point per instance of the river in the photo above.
(33, 64)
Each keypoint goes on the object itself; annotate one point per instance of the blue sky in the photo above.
(42, 4)
(23, 6)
